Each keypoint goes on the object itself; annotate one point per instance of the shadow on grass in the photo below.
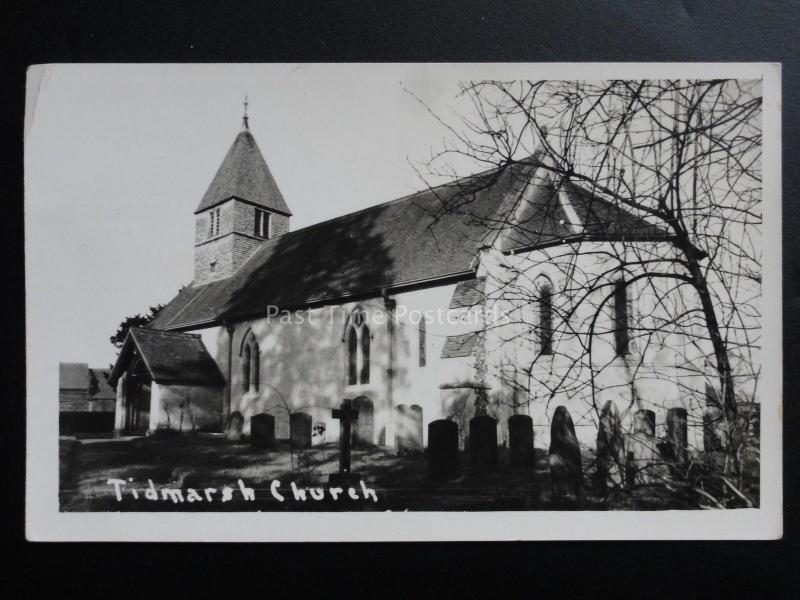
(400, 482)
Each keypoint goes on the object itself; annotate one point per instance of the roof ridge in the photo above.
(165, 332)
(393, 201)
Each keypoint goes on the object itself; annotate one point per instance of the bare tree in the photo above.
(666, 174)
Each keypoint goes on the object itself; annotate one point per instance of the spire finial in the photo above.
(245, 124)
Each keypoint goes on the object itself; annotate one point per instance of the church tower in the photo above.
(242, 207)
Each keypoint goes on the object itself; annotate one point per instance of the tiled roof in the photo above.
(104, 389)
(542, 219)
(170, 357)
(244, 174)
(422, 238)
(73, 376)
(468, 293)
(456, 346)
(413, 239)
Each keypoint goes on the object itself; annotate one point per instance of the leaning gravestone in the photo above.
(401, 429)
(415, 427)
(641, 449)
(300, 430)
(262, 431)
(233, 428)
(520, 440)
(483, 443)
(408, 428)
(610, 450)
(442, 449)
(363, 428)
(677, 435)
(566, 472)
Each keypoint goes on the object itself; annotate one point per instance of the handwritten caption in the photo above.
(125, 489)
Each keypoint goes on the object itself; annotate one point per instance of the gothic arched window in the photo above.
(545, 316)
(251, 363)
(357, 339)
(246, 358)
(621, 323)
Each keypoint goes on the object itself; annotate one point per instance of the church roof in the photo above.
(169, 356)
(427, 237)
(244, 174)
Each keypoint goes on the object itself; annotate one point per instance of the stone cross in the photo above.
(346, 415)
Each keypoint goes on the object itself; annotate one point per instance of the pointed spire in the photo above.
(245, 118)
(244, 174)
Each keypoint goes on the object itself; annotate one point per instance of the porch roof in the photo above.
(169, 356)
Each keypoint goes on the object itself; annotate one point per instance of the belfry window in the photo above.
(357, 340)
(213, 223)
(261, 224)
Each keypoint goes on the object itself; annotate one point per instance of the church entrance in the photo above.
(137, 405)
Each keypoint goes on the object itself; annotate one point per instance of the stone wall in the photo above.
(222, 254)
(186, 408)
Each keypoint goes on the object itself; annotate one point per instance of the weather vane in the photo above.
(245, 124)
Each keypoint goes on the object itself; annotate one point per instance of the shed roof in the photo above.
(73, 376)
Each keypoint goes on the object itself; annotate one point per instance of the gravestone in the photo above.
(520, 441)
(408, 428)
(714, 434)
(300, 430)
(415, 417)
(483, 443)
(641, 450)
(678, 435)
(233, 428)
(442, 448)
(610, 450)
(262, 431)
(363, 428)
(346, 415)
(566, 472)
(401, 428)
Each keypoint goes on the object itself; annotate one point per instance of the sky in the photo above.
(118, 157)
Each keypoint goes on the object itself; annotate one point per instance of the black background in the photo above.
(467, 31)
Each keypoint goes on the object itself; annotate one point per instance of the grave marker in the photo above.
(262, 431)
(346, 415)
(641, 450)
(610, 450)
(442, 448)
(483, 443)
(566, 472)
(678, 435)
(233, 428)
(520, 440)
(300, 430)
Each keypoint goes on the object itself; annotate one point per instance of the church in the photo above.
(399, 306)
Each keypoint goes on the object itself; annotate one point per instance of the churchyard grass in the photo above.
(204, 461)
